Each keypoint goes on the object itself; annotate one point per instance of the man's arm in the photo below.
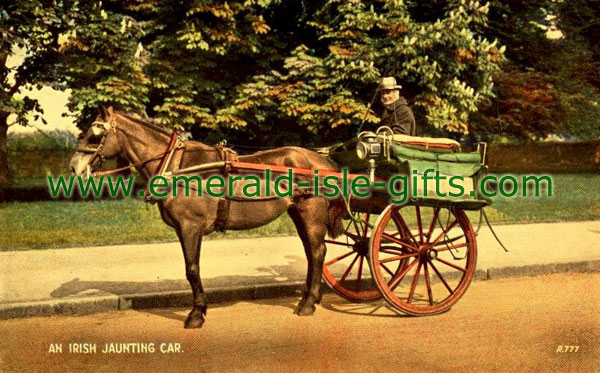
(404, 121)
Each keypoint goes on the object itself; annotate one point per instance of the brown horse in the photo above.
(114, 133)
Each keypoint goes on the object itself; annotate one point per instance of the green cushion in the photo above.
(465, 165)
(455, 164)
(405, 159)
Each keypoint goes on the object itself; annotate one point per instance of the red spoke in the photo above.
(418, 210)
(397, 241)
(451, 247)
(414, 283)
(349, 268)
(334, 260)
(366, 225)
(387, 269)
(397, 257)
(444, 232)
(428, 284)
(436, 211)
(360, 264)
(452, 265)
(440, 276)
(338, 243)
(397, 217)
(390, 250)
(397, 280)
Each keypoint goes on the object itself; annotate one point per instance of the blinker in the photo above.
(97, 131)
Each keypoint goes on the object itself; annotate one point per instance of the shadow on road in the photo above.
(375, 309)
(294, 271)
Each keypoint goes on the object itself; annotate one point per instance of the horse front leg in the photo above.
(191, 241)
(310, 217)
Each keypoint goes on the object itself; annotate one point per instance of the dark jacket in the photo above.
(399, 118)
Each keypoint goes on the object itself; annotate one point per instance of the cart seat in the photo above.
(442, 145)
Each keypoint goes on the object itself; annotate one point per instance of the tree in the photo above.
(238, 69)
(526, 106)
(199, 52)
(578, 66)
(68, 44)
(242, 68)
(548, 84)
(579, 20)
(326, 84)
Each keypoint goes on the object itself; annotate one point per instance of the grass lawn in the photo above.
(52, 224)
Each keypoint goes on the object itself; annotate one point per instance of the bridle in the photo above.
(97, 151)
(174, 142)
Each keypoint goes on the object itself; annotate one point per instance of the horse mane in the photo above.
(148, 122)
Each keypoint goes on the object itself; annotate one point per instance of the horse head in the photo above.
(100, 142)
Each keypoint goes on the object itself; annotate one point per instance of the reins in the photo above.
(163, 156)
(175, 142)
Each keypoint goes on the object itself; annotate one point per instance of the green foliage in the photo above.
(580, 22)
(242, 68)
(444, 64)
(197, 52)
(549, 86)
(71, 44)
(527, 105)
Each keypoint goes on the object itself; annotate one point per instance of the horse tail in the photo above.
(336, 211)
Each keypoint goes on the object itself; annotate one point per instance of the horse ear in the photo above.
(106, 112)
(103, 111)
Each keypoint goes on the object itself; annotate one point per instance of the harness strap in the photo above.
(226, 155)
(161, 156)
(222, 214)
(119, 169)
(164, 163)
(168, 153)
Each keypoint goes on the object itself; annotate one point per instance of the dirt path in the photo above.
(502, 325)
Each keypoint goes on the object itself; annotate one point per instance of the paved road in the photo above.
(513, 324)
(138, 269)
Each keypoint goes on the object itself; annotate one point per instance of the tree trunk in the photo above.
(4, 177)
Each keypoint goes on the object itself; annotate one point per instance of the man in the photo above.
(396, 113)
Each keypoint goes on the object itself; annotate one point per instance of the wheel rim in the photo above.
(346, 270)
(440, 252)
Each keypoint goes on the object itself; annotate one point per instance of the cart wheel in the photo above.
(441, 250)
(346, 270)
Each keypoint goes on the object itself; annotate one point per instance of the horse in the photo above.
(116, 133)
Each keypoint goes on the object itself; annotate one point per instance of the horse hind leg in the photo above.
(310, 218)
(191, 241)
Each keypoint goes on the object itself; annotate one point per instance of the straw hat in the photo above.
(388, 83)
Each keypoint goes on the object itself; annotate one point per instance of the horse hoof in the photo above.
(305, 310)
(193, 322)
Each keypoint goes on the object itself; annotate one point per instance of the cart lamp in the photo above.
(368, 146)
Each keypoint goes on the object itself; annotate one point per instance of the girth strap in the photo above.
(227, 155)
(222, 214)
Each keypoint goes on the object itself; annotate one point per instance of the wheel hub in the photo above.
(427, 252)
(361, 246)
(432, 254)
